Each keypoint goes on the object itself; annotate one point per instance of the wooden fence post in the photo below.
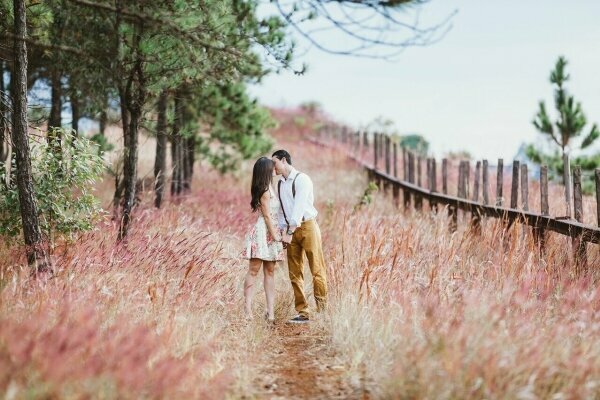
(539, 233)
(405, 163)
(375, 158)
(386, 159)
(485, 183)
(567, 181)
(467, 179)
(387, 154)
(383, 157)
(597, 174)
(475, 215)
(396, 187)
(411, 167)
(395, 156)
(375, 155)
(579, 245)
(514, 201)
(461, 190)
(545, 208)
(418, 198)
(419, 172)
(433, 203)
(451, 207)
(514, 188)
(445, 176)
(524, 192)
(499, 183)
(428, 173)
(475, 196)
(381, 147)
(524, 188)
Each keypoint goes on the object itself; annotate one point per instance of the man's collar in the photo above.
(292, 173)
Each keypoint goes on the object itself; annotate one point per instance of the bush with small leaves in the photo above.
(64, 178)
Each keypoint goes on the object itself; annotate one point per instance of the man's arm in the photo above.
(303, 187)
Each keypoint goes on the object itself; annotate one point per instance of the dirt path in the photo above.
(300, 365)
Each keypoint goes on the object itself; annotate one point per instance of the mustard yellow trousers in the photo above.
(307, 240)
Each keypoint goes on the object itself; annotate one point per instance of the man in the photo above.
(301, 234)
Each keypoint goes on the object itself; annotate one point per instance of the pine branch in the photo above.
(143, 17)
(33, 42)
(591, 137)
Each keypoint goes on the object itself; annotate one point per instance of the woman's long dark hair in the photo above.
(261, 179)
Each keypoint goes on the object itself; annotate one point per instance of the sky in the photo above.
(477, 89)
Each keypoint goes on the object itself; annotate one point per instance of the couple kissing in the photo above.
(286, 221)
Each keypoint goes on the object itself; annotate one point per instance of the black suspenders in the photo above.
(293, 196)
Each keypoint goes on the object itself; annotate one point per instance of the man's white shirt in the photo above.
(299, 207)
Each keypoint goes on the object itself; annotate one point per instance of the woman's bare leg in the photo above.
(253, 268)
(269, 272)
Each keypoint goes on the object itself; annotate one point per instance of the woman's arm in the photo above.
(265, 202)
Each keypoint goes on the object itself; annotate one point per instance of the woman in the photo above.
(263, 243)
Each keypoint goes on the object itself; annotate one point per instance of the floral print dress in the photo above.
(259, 242)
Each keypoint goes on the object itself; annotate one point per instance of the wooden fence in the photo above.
(384, 171)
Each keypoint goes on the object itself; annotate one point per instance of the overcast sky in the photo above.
(475, 90)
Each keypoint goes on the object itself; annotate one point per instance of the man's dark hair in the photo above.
(281, 154)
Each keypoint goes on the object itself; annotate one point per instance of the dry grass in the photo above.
(415, 312)
(422, 313)
(156, 317)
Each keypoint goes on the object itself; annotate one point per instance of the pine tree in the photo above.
(569, 125)
(571, 120)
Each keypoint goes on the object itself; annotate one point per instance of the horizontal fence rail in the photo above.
(564, 227)
(386, 152)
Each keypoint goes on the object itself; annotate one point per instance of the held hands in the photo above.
(287, 239)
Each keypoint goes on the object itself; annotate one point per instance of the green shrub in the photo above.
(367, 196)
(64, 179)
(102, 142)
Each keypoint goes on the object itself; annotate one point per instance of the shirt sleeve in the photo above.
(304, 187)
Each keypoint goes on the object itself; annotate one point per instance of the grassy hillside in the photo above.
(414, 312)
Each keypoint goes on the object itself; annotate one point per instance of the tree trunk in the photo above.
(185, 183)
(119, 183)
(192, 158)
(176, 152)
(37, 255)
(75, 114)
(190, 144)
(3, 120)
(160, 163)
(134, 99)
(129, 169)
(173, 159)
(125, 119)
(56, 104)
(103, 116)
(54, 137)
